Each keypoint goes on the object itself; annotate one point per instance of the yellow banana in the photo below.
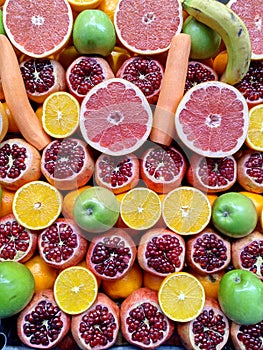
(232, 30)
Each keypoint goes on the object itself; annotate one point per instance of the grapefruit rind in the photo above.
(147, 28)
(37, 25)
(115, 117)
(212, 119)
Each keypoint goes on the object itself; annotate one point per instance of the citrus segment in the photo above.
(115, 117)
(254, 138)
(186, 210)
(60, 115)
(147, 27)
(140, 208)
(181, 296)
(36, 205)
(75, 289)
(212, 119)
(38, 28)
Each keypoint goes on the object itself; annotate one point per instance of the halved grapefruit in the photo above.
(147, 27)
(212, 119)
(115, 117)
(251, 13)
(38, 28)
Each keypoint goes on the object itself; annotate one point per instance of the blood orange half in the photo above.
(38, 28)
(251, 13)
(147, 27)
(212, 119)
(115, 117)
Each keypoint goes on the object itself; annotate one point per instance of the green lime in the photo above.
(205, 42)
(94, 33)
(16, 287)
(2, 29)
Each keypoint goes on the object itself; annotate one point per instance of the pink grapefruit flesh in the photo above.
(115, 117)
(212, 119)
(147, 27)
(38, 28)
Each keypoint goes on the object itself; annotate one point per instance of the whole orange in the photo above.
(256, 198)
(210, 282)
(152, 281)
(6, 202)
(69, 200)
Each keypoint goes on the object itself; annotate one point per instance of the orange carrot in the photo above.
(172, 90)
(16, 97)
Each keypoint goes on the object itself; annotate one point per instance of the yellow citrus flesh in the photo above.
(254, 138)
(80, 5)
(140, 208)
(181, 296)
(3, 122)
(75, 289)
(186, 210)
(37, 204)
(60, 115)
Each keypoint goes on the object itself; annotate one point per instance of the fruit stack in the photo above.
(131, 174)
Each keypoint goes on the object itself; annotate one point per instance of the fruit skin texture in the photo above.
(16, 287)
(234, 215)
(94, 33)
(205, 42)
(232, 31)
(96, 209)
(240, 296)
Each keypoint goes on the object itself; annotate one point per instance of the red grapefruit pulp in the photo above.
(212, 119)
(38, 28)
(147, 27)
(115, 117)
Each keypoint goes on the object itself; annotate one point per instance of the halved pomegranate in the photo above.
(67, 164)
(111, 254)
(210, 330)
(247, 253)
(16, 242)
(19, 163)
(61, 244)
(84, 73)
(41, 324)
(143, 323)
(208, 252)
(98, 327)
(161, 251)
(250, 171)
(212, 175)
(162, 168)
(247, 337)
(145, 72)
(117, 173)
(198, 73)
(42, 76)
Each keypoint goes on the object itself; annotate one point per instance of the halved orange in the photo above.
(186, 210)
(140, 208)
(60, 114)
(75, 289)
(36, 205)
(181, 296)
(254, 138)
(81, 5)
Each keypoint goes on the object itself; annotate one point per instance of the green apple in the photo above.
(240, 296)
(234, 214)
(94, 33)
(205, 42)
(2, 29)
(17, 286)
(96, 209)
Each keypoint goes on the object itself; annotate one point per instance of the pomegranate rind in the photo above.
(115, 117)
(105, 302)
(147, 28)
(129, 182)
(46, 295)
(22, 255)
(185, 329)
(254, 265)
(134, 300)
(33, 29)
(212, 119)
(157, 233)
(236, 331)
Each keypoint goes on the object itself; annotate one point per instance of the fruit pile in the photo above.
(131, 173)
